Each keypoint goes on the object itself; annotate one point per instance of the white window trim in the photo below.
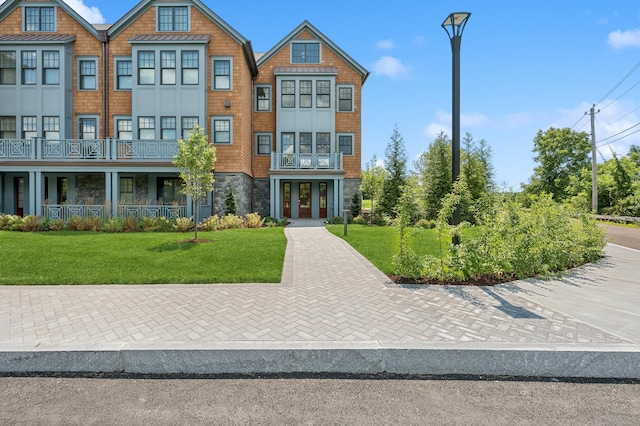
(353, 143)
(213, 75)
(173, 5)
(213, 129)
(86, 58)
(270, 87)
(353, 95)
(270, 145)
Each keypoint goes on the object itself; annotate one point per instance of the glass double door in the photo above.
(305, 199)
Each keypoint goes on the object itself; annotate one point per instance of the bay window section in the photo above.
(29, 63)
(323, 94)
(146, 67)
(51, 127)
(306, 88)
(288, 93)
(323, 143)
(7, 67)
(168, 67)
(146, 128)
(190, 66)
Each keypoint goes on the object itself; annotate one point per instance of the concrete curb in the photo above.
(619, 361)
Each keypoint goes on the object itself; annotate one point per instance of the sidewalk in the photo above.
(333, 312)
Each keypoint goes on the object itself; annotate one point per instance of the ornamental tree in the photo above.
(196, 159)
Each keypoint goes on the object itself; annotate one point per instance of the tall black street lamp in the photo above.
(454, 25)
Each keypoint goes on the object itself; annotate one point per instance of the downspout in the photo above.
(105, 82)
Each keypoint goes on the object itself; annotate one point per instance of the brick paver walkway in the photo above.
(329, 293)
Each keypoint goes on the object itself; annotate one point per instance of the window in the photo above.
(305, 143)
(188, 123)
(190, 67)
(263, 96)
(146, 128)
(50, 67)
(7, 67)
(222, 130)
(288, 143)
(7, 127)
(123, 74)
(126, 190)
(29, 127)
(221, 74)
(288, 94)
(146, 67)
(88, 128)
(323, 94)
(173, 18)
(305, 53)
(51, 127)
(263, 142)
(88, 75)
(323, 143)
(168, 128)
(345, 98)
(168, 67)
(124, 129)
(305, 93)
(29, 62)
(40, 19)
(345, 144)
(169, 191)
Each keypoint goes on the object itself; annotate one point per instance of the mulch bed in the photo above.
(488, 280)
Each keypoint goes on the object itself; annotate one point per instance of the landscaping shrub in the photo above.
(32, 224)
(183, 224)
(231, 221)
(425, 224)
(81, 223)
(210, 223)
(253, 220)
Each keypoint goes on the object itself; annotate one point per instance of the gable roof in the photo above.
(144, 5)
(10, 5)
(306, 25)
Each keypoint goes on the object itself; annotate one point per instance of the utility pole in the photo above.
(594, 170)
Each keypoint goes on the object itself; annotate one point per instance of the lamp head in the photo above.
(455, 22)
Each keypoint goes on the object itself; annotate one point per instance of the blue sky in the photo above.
(526, 65)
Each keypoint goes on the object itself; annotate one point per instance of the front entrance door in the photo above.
(304, 200)
(323, 200)
(287, 200)
(19, 191)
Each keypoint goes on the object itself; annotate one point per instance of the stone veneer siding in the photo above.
(241, 184)
(90, 189)
(351, 186)
(262, 197)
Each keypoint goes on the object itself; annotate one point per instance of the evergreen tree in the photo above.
(434, 174)
(356, 205)
(372, 181)
(230, 203)
(396, 173)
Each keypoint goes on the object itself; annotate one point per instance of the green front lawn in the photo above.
(234, 256)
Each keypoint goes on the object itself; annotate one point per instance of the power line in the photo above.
(628, 90)
(616, 140)
(619, 133)
(629, 113)
(620, 82)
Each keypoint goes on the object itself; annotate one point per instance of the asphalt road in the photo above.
(623, 235)
(87, 401)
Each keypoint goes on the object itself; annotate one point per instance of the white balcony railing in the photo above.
(87, 149)
(280, 161)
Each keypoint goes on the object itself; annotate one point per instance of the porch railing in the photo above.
(87, 149)
(280, 161)
(67, 211)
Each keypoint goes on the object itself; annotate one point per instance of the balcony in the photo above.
(65, 212)
(317, 162)
(87, 150)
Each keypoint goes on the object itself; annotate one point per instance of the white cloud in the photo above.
(387, 44)
(621, 39)
(474, 119)
(418, 39)
(391, 67)
(91, 14)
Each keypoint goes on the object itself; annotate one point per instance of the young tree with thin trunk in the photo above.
(196, 159)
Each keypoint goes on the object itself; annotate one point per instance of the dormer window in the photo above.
(41, 19)
(305, 53)
(173, 18)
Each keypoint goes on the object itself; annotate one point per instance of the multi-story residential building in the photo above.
(90, 114)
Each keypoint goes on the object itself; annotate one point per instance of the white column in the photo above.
(108, 195)
(32, 194)
(38, 194)
(114, 193)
